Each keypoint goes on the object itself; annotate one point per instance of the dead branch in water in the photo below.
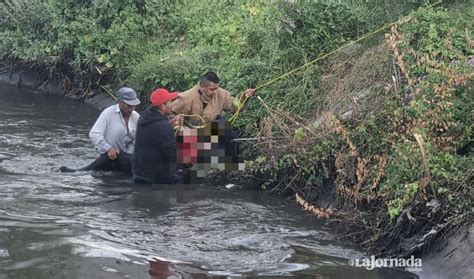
(318, 212)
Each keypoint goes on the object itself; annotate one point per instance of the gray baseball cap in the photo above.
(128, 96)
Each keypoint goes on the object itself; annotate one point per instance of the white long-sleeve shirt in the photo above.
(110, 131)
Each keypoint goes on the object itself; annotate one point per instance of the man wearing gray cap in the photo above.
(113, 134)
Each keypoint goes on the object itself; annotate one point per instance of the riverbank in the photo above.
(451, 257)
(388, 161)
(41, 81)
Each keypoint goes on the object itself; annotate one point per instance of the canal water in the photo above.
(99, 225)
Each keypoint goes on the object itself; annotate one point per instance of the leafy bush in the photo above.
(150, 43)
(405, 148)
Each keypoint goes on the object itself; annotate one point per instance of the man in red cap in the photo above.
(154, 160)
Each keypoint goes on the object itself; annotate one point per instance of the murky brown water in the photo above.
(98, 225)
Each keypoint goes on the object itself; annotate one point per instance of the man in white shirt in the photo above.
(113, 134)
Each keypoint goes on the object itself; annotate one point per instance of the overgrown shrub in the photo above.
(405, 153)
(150, 43)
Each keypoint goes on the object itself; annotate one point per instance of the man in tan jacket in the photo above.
(208, 100)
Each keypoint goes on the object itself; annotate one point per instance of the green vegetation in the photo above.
(151, 43)
(402, 163)
(404, 148)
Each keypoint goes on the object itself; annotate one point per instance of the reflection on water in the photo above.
(98, 225)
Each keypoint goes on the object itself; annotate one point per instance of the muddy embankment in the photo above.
(446, 253)
(451, 257)
(42, 82)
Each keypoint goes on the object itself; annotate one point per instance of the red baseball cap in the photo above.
(161, 96)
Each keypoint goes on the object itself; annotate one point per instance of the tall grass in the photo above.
(150, 43)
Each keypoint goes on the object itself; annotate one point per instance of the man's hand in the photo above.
(178, 120)
(249, 92)
(113, 153)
